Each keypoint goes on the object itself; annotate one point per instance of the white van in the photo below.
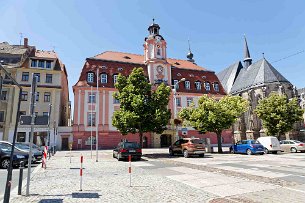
(270, 143)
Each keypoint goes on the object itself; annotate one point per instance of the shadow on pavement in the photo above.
(166, 155)
(85, 195)
(51, 201)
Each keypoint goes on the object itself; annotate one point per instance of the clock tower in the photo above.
(155, 56)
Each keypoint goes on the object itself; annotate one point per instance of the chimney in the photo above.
(26, 42)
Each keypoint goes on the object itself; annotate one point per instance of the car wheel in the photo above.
(171, 152)
(201, 155)
(113, 155)
(186, 154)
(249, 152)
(293, 150)
(262, 153)
(5, 163)
(266, 151)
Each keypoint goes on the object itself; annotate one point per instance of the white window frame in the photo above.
(187, 85)
(176, 86)
(198, 85)
(90, 77)
(91, 118)
(103, 78)
(189, 101)
(91, 98)
(216, 87)
(207, 86)
(178, 101)
(115, 78)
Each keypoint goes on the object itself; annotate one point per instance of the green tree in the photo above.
(214, 116)
(278, 114)
(141, 109)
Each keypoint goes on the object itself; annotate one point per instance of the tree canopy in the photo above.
(278, 114)
(141, 108)
(214, 116)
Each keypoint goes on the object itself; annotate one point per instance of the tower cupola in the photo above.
(154, 28)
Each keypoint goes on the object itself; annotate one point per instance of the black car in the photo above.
(37, 153)
(5, 154)
(124, 149)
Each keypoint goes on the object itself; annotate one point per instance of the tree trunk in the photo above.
(219, 142)
(141, 139)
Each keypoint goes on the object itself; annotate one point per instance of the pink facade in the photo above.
(101, 71)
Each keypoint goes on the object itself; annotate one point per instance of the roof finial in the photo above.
(190, 54)
(263, 55)
(153, 20)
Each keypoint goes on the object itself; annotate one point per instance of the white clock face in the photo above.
(158, 38)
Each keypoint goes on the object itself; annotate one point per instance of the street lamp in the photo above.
(9, 173)
(175, 102)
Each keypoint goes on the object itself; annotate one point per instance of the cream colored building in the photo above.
(52, 94)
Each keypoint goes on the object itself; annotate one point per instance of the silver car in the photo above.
(292, 146)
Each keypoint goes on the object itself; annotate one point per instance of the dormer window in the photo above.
(216, 87)
(198, 85)
(115, 78)
(104, 78)
(90, 77)
(48, 64)
(187, 85)
(176, 85)
(207, 86)
(34, 63)
(126, 57)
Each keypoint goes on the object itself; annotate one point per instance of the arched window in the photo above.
(207, 86)
(104, 78)
(198, 85)
(90, 77)
(187, 85)
(216, 86)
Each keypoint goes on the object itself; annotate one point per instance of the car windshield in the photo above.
(197, 141)
(131, 145)
(254, 142)
(22, 146)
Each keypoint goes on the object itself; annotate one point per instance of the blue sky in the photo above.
(81, 29)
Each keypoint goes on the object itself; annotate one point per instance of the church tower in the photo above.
(155, 56)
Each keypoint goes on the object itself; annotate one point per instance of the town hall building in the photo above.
(94, 104)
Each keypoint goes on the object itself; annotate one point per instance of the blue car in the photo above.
(247, 147)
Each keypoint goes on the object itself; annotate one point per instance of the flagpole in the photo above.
(97, 113)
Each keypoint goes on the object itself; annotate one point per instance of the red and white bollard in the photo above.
(129, 170)
(81, 172)
(44, 157)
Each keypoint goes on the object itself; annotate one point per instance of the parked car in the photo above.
(188, 147)
(247, 147)
(37, 153)
(270, 143)
(124, 149)
(5, 155)
(292, 146)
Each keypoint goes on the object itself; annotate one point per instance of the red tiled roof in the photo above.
(46, 54)
(139, 59)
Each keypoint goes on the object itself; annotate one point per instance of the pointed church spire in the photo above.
(247, 59)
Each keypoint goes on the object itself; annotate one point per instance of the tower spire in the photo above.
(247, 58)
(190, 55)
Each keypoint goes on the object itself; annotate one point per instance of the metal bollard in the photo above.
(20, 177)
